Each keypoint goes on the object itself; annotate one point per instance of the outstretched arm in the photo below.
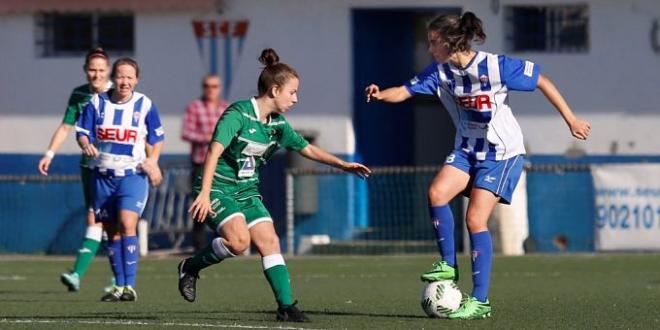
(201, 207)
(317, 154)
(390, 95)
(579, 128)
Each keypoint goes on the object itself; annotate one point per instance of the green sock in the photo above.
(85, 256)
(278, 278)
(202, 259)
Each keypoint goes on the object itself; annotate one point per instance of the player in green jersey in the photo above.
(227, 196)
(96, 68)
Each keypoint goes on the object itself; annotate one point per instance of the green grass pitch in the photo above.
(531, 292)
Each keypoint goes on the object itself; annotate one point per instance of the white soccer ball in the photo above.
(441, 298)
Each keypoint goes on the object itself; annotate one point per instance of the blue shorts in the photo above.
(114, 193)
(497, 176)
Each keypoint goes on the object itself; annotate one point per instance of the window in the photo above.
(73, 34)
(559, 28)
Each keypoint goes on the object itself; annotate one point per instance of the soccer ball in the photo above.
(440, 298)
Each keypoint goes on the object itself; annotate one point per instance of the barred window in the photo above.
(556, 28)
(73, 34)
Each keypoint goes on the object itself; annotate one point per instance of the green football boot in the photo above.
(440, 271)
(114, 295)
(110, 286)
(128, 294)
(71, 280)
(471, 309)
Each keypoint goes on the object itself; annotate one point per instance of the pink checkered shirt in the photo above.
(198, 125)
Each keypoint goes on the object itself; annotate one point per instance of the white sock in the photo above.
(220, 249)
(272, 261)
(94, 233)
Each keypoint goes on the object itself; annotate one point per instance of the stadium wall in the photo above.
(315, 37)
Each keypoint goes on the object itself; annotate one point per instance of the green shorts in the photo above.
(224, 207)
(86, 178)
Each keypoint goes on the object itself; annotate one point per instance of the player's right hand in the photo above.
(372, 92)
(200, 208)
(90, 150)
(44, 164)
(358, 169)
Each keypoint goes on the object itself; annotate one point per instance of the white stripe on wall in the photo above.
(31, 134)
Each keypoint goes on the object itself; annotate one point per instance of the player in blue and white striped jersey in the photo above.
(121, 130)
(488, 157)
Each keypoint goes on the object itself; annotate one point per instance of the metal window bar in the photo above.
(564, 28)
(119, 43)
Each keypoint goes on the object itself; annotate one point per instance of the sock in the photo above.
(88, 250)
(443, 222)
(482, 261)
(210, 255)
(115, 255)
(277, 275)
(129, 246)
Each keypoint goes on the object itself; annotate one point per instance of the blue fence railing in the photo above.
(46, 215)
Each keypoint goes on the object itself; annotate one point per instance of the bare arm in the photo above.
(390, 95)
(56, 141)
(150, 164)
(153, 151)
(579, 128)
(317, 154)
(88, 149)
(201, 207)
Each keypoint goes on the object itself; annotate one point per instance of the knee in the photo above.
(128, 230)
(475, 224)
(237, 244)
(270, 244)
(438, 195)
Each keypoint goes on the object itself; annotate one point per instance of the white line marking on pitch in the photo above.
(12, 278)
(165, 324)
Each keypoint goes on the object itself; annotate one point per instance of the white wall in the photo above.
(613, 85)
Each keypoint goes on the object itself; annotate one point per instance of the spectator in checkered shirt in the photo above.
(198, 125)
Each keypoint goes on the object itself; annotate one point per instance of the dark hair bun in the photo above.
(269, 57)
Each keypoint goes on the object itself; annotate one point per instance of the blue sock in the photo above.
(115, 255)
(130, 248)
(482, 262)
(443, 221)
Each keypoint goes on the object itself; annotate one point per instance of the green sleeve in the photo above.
(228, 127)
(291, 140)
(74, 107)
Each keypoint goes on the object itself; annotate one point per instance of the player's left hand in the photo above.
(580, 129)
(150, 167)
(357, 169)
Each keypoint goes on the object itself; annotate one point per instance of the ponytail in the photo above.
(274, 73)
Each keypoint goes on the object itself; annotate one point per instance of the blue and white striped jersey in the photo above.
(477, 100)
(119, 131)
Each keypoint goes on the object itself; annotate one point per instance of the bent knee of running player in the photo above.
(235, 233)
